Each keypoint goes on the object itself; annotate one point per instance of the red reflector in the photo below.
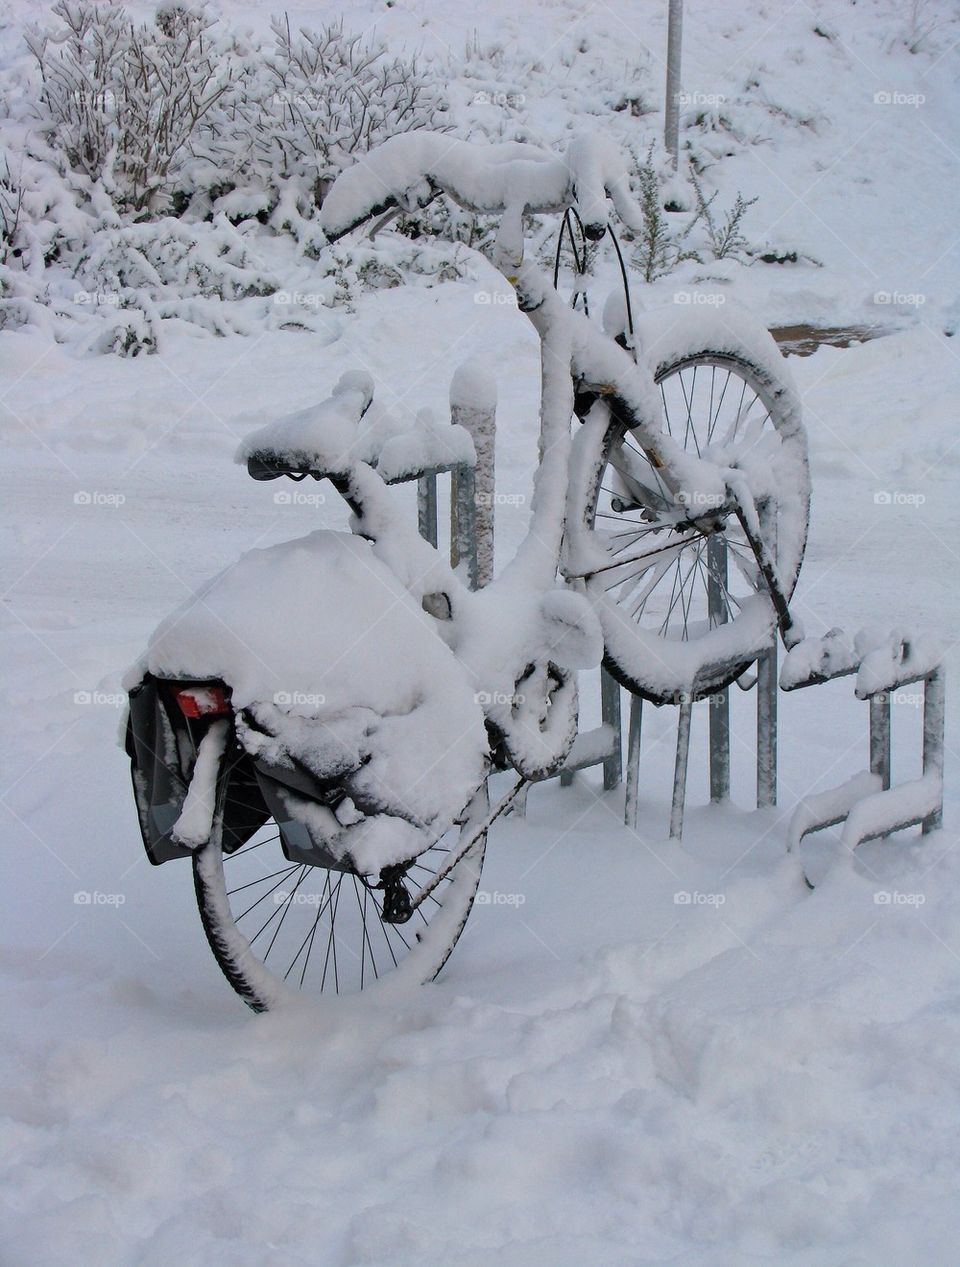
(202, 701)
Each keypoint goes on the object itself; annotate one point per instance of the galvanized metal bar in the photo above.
(880, 736)
(610, 715)
(720, 700)
(671, 128)
(934, 713)
(473, 406)
(427, 508)
(631, 803)
(767, 727)
(463, 523)
(680, 769)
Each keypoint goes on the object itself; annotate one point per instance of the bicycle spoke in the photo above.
(311, 933)
(690, 429)
(715, 418)
(660, 572)
(332, 943)
(685, 605)
(722, 583)
(265, 896)
(288, 903)
(262, 879)
(679, 595)
(383, 929)
(665, 496)
(364, 939)
(281, 907)
(239, 853)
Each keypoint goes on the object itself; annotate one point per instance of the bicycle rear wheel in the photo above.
(278, 928)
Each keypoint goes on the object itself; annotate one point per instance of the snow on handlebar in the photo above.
(507, 179)
(512, 179)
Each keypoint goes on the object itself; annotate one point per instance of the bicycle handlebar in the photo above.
(411, 169)
(509, 179)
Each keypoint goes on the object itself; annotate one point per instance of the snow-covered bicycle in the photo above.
(317, 726)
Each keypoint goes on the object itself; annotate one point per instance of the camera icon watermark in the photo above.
(888, 897)
(495, 898)
(498, 698)
(900, 298)
(495, 298)
(708, 99)
(84, 897)
(685, 897)
(884, 497)
(915, 99)
(299, 699)
(499, 499)
(100, 699)
(97, 298)
(504, 100)
(699, 298)
(113, 500)
(298, 298)
(296, 497)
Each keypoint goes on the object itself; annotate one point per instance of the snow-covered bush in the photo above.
(360, 268)
(167, 259)
(124, 100)
(725, 238)
(146, 167)
(11, 210)
(328, 95)
(665, 242)
(659, 248)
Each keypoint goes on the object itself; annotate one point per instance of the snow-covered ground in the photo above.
(605, 1072)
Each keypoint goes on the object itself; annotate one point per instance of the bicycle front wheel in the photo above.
(687, 610)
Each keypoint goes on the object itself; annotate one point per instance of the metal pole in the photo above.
(680, 768)
(671, 130)
(610, 716)
(934, 701)
(880, 736)
(632, 802)
(720, 700)
(427, 508)
(767, 727)
(463, 523)
(473, 406)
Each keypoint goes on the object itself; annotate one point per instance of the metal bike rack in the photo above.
(765, 684)
(868, 804)
(603, 745)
